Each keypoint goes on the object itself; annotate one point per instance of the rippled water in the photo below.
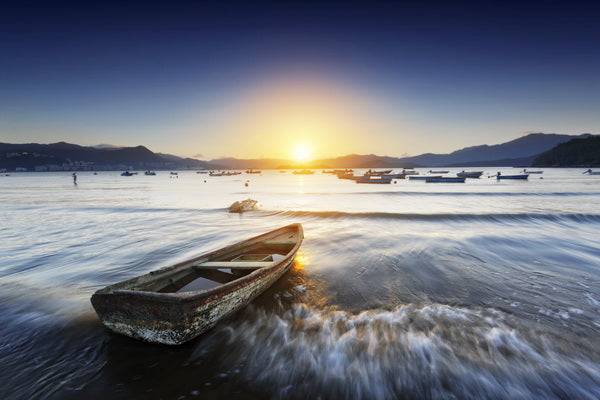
(407, 291)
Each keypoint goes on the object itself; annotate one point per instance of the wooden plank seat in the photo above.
(234, 264)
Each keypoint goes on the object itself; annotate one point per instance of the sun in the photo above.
(302, 152)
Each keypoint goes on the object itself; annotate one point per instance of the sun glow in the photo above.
(302, 153)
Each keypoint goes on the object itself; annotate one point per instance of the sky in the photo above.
(297, 79)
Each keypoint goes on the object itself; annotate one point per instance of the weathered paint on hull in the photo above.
(202, 317)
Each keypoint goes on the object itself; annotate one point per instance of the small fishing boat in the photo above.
(470, 174)
(175, 304)
(174, 173)
(409, 172)
(422, 178)
(243, 206)
(373, 180)
(303, 172)
(149, 173)
(532, 172)
(202, 172)
(345, 175)
(523, 176)
(377, 173)
(438, 172)
(253, 171)
(447, 179)
(127, 173)
(394, 176)
(590, 172)
(224, 173)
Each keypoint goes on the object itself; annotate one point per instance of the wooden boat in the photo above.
(152, 173)
(523, 176)
(252, 171)
(373, 180)
(470, 174)
(438, 172)
(422, 178)
(171, 305)
(447, 179)
(532, 172)
(224, 173)
(378, 173)
(590, 172)
(394, 176)
(409, 172)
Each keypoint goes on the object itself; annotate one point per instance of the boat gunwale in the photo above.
(216, 291)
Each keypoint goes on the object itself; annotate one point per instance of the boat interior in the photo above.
(222, 267)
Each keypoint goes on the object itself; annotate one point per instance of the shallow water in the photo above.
(406, 291)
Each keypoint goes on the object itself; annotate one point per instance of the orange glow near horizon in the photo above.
(293, 119)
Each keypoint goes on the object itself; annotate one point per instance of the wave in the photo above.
(429, 352)
(498, 217)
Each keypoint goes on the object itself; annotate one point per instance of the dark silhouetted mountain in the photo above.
(63, 155)
(521, 151)
(498, 155)
(583, 152)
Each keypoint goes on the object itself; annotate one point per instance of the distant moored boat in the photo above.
(457, 179)
(470, 174)
(523, 176)
(422, 178)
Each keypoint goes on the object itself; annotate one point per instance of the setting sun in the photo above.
(302, 153)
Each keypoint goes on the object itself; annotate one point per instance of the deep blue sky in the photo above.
(435, 76)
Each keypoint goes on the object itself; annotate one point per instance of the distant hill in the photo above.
(504, 154)
(583, 152)
(521, 151)
(66, 156)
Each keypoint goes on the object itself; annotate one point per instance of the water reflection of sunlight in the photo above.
(301, 185)
(300, 261)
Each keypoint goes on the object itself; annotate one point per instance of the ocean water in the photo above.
(412, 290)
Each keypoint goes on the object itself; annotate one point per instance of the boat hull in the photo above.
(500, 177)
(448, 180)
(175, 318)
(422, 178)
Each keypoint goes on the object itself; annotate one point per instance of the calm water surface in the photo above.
(406, 291)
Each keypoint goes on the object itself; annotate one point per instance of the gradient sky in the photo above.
(251, 79)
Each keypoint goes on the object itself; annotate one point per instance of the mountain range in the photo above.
(66, 156)
(521, 151)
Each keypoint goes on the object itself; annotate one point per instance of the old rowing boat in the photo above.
(175, 304)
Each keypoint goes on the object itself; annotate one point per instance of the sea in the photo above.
(479, 290)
